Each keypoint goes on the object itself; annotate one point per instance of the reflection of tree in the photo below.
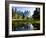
(36, 14)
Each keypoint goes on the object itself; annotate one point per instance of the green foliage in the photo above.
(36, 14)
(19, 23)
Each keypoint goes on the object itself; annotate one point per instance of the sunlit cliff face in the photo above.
(23, 9)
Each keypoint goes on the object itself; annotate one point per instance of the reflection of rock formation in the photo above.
(29, 27)
(25, 27)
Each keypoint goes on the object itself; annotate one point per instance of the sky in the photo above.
(22, 9)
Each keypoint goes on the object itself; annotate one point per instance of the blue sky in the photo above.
(25, 8)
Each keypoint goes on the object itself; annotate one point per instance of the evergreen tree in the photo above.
(36, 14)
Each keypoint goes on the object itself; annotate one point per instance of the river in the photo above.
(25, 27)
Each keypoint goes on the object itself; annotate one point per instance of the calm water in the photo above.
(25, 27)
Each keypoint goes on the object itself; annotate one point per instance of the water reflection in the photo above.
(21, 26)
